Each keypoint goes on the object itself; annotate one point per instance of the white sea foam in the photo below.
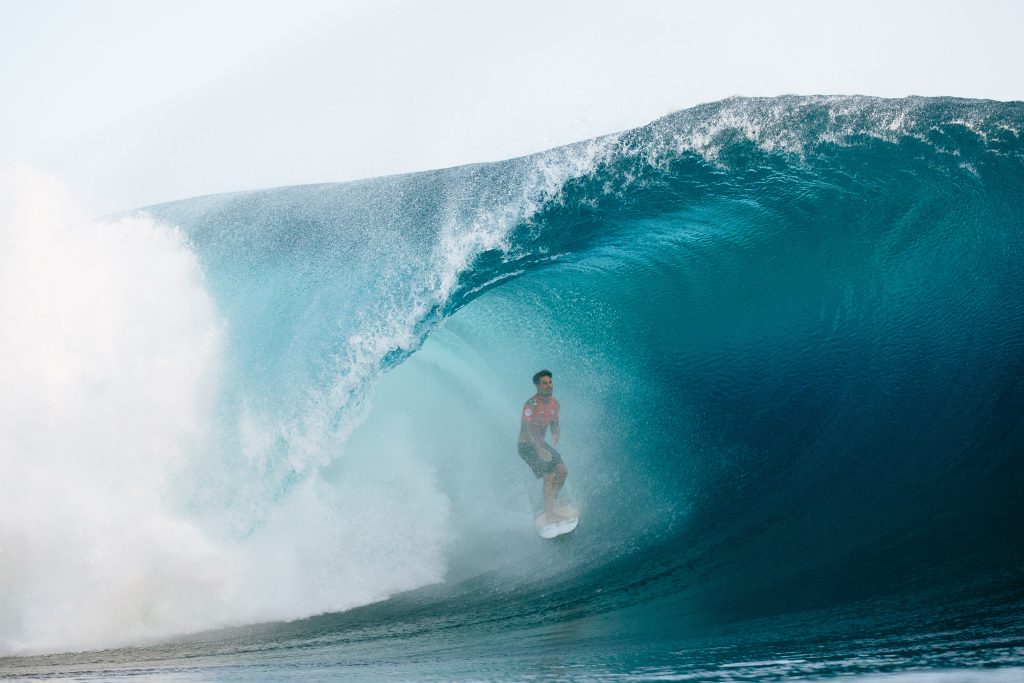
(108, 354)
(110, 357)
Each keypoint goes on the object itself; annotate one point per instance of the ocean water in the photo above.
(271, 435)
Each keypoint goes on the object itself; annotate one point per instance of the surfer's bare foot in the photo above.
(556, 515)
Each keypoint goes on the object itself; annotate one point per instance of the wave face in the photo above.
(787, 335)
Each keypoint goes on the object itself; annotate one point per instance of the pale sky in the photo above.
(132, 102)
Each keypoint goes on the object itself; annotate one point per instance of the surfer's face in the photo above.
(545, 387)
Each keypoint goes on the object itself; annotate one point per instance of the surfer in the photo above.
(540, 412)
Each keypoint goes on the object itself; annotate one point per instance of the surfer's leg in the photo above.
(559, 475)
(553, 483)
(554, 479)
(549, 494)
(530, 456)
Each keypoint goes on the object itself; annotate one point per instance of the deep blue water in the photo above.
(787, 335)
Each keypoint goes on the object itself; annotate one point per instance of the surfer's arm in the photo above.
(526, 432)
(554, 433)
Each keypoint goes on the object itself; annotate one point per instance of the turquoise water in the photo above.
(787, 336)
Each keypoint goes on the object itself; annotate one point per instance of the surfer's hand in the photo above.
(545, 454)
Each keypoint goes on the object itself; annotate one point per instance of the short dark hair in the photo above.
(542, 373)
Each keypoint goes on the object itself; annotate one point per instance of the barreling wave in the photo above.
(787, 335)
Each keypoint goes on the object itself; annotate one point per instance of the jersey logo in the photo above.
(533, 402)
(527, 412)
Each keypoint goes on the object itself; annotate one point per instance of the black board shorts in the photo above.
(539, 465)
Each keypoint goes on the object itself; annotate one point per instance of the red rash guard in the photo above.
(538, 415)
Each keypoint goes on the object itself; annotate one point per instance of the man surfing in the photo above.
(539, 413)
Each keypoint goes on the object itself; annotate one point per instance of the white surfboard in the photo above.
(566, 519)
